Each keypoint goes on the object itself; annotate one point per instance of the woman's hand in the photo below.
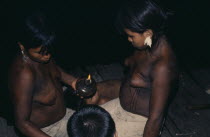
(74, 83)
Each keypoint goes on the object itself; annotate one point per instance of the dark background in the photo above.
(86, 34)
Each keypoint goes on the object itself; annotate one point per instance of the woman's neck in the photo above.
(158, 44)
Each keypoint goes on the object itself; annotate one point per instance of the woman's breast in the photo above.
(139, 80)
(47, 92)
(45, 113)
(48, 98)
(135, 100)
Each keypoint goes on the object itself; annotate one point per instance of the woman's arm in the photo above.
(21, 85)
(161, 85)
(67, 78)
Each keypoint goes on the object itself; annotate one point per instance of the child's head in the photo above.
(91, 121)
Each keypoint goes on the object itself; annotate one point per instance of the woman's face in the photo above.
(35, 55)
(137, 39)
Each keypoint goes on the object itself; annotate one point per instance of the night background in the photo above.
(86, 35)
(85, 32)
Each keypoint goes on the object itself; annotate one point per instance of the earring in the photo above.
(22, 52)
(148, 41)
(24, 56)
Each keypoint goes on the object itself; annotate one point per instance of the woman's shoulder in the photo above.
(164, 53)
(19, 66)
(164, 48)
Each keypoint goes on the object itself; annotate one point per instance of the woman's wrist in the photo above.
(73, 84)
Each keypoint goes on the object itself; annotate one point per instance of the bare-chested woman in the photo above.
(35, 82)
(146, 88)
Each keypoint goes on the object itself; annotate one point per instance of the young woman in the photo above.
(153, 71)
(35, 83)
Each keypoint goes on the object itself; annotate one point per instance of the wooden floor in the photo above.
(180, 121)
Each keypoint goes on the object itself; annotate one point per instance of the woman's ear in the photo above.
(148, 33)
(21, 46)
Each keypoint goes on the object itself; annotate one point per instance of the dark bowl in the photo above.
(86, 88)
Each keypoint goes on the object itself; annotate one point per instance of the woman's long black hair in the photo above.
(34, 31)
(141, 15)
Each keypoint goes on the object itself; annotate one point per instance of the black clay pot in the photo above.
(86, 88)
